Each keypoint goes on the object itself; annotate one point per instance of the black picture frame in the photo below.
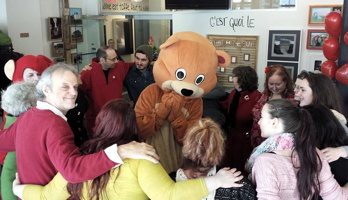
(284, 45)
(291, 67)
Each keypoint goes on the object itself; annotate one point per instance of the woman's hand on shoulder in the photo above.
(224, 178)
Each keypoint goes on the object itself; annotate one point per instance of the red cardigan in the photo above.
(99, 91)
(44, 145)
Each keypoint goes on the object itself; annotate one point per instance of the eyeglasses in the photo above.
(112, 59)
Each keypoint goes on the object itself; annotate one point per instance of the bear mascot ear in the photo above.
(223, 58)
(9, 69)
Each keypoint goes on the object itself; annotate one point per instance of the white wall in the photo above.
(3, 16)
(264, 20)
(25, 17)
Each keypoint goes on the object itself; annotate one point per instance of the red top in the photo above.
(99, 91)
(44, 145)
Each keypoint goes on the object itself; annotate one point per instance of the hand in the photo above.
(79, 81)
(166, 98)
(345, 187)
(178, 102)
(165, 106)
(224, 178)
(229, 177)
(17, 187)
(333, 154)
(86, 67)
(136, 150)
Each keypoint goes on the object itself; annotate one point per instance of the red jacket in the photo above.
(99, 91)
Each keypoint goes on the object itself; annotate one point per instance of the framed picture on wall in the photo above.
(76, 34)
(315, 38)
(317, 13)
(75, 15)
(291, 67)
(284, 45)
(57, 49)
(55, 28)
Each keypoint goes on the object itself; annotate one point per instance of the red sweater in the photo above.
(44, 145)
(99, 91)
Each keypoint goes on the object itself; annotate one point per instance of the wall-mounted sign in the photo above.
(124, 6)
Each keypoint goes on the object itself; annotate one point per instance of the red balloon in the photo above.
(333, 24)
(331, 48)
(342, 74)
(329, 68)
(345, 38)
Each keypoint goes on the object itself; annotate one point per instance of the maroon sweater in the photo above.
(44, 145)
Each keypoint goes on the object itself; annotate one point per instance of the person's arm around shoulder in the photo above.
(162, 186)
(136, 150)
(84, 78)
(329, 188)
(54, 190)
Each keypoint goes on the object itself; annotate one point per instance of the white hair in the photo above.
(18, 98)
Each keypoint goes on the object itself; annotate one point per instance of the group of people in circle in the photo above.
(288, 142)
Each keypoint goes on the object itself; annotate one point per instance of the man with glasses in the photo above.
(103, 82)
(140, 74)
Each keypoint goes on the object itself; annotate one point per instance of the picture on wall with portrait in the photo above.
(284, 45)
(315, 38)
(55, 28)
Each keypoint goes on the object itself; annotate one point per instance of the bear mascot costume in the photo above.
(184, 72)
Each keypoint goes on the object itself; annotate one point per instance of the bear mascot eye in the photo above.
(199, 79)
(180, 74)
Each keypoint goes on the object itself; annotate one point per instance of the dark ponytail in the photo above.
(297, 120)
(310, 163)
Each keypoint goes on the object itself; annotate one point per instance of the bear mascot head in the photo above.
(187, 64)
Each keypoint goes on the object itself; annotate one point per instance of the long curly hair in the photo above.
(115, 123)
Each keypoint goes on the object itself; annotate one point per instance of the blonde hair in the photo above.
(204, 143)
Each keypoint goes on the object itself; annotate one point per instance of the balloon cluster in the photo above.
(333, 26)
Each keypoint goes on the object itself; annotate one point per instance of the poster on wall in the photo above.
(124, 6)
(284, 45)
(243, 51)
(55, 28)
